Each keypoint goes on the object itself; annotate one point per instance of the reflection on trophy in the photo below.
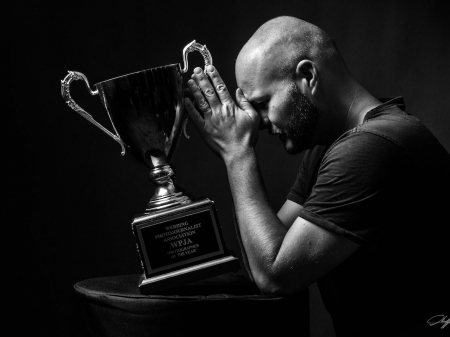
(179, 239)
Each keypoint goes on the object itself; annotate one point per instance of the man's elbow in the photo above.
(279, 285)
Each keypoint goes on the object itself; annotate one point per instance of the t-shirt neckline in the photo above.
(387, 103)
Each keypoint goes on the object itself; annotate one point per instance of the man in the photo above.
(363, 218)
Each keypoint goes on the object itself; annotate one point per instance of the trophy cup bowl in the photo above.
(178, 239)
(146, 108)
(146, 112)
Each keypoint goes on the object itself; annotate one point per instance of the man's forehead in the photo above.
(255, 96)
(252, 72)
(248, 61)
(251, 87)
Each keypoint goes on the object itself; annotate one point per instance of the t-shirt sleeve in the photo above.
(307, 174)
(352, 184)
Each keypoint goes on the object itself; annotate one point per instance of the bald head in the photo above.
(281, 43)
(295, 78)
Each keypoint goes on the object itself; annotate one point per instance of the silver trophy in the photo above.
(178, 238)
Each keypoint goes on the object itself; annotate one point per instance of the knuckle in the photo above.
(221, 87)
(209, 92)
(202, 103)
(228, 103)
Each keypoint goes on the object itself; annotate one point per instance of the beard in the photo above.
(303, 122)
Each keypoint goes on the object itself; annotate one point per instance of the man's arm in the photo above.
(283, 260)
(288, 213)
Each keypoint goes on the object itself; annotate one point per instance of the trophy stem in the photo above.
(166, 194)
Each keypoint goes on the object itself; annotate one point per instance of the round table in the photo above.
(225, 305)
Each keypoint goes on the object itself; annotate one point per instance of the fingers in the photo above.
(219, 85)
(245, 105)
(194, 114)
(205, 86)
(188, 93)
(200, 99)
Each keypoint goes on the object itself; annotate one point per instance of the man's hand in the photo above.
(228, 128)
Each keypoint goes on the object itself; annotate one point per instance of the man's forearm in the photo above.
(261, 230)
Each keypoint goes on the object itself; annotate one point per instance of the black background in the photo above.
(69, 195)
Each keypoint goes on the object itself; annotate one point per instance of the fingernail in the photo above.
(191, 83)
(198, 70)
(210, 69)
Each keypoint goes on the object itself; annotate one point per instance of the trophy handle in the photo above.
(65, 92)
(194, 46)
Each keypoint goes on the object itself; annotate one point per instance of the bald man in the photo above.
(364, 217)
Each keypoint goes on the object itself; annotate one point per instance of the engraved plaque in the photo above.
(180, 244)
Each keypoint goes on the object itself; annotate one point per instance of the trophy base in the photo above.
(183, 276)
(180, 245)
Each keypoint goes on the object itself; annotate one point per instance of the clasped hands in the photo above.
(228, 127)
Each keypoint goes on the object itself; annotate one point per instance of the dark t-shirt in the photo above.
(385, 186)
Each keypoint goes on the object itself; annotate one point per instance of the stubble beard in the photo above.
(303, 122)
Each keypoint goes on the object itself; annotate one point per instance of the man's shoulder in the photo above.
(395, 125)
(406, 132)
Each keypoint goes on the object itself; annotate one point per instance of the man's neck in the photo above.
(345, 112)
(362, 102)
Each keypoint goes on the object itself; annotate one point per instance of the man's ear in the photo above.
(306, 75)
